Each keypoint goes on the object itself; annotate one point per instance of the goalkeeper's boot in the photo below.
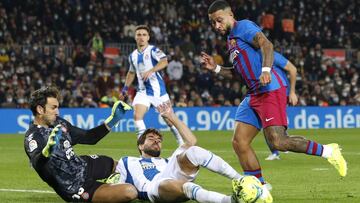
(337, 160)
(113, 178)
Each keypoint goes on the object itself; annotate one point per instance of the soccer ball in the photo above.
(250, 193)
(251, 189)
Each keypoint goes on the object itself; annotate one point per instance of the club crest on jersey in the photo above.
(232, 43)
(146, 56)
(63, 129)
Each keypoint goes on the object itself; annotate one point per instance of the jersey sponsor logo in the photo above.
(63, 129)
(147, 165)
(269, 119)
(32, 145)
(233, 55)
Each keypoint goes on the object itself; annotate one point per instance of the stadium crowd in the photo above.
(298, 29)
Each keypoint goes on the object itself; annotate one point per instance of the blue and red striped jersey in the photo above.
(247, 60)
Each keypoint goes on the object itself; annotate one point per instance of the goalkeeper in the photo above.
(48, 144)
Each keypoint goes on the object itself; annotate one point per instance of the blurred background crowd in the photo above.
(63, 42)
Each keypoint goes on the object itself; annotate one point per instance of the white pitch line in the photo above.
(320, 169)
(28, 191)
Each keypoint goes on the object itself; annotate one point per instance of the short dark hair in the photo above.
(142, 138)
(143, 27)
(218, 5)
(39, 97)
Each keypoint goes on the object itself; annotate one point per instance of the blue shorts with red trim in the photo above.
(263, 110)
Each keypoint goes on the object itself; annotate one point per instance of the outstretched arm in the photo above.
(166, 111)
(159, 66)
(267, 51)
(91, 136)
(208, 62)
(94, 135)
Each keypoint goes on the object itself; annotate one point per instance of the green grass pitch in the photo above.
(295, 178)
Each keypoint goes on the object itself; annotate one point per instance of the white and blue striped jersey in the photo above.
(141, 62)
(140, 171)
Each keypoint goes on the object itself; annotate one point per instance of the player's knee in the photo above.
(240, 144)
(171, 191)
(129, 194)
(137, 117)
(197, 155)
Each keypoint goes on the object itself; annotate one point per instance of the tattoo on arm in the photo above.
(257, 40)
(267, 51)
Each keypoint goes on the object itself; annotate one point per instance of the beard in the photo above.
(153, 153)
(50, 122)
(227, 31)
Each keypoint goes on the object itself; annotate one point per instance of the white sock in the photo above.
(327, 151)
(177, 135)
(140, 125)
(196, 192)
(201, 157)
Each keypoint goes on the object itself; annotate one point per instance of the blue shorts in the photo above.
(246, 114)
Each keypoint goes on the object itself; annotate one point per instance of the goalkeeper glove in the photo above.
(117, 112)
(53, 139)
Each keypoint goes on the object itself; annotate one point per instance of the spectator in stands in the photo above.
(96, 45)
(4, 58)
(108, 100)
(175, 69)
(32, 42)
(187, 46)
(88, 101)
(9, 102)
(104, 82)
